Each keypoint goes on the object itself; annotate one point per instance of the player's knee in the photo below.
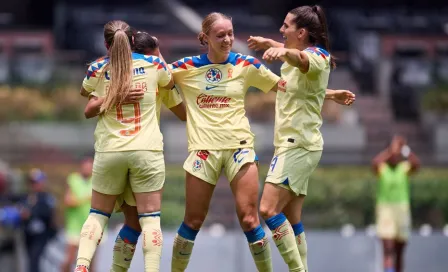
(249, 222)
(194, 222)
(267, 211)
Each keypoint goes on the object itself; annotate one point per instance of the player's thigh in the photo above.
(198, 194)
(245, 187)
(103, 202)
(109, 173)
(205, 165)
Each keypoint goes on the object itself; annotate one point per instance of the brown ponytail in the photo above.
(323, 38)
(120, 63)
(314, 20)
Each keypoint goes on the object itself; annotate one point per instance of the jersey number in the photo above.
(135, 119)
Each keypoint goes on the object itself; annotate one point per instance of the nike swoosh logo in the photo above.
(258, 253)
(184, 254)
(207, 88)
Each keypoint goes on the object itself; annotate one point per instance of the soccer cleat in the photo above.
(81, 268)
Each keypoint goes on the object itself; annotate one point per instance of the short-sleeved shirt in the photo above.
(214, 94)
(132, 126)
(299, 103)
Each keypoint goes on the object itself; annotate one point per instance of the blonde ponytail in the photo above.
(120, 69)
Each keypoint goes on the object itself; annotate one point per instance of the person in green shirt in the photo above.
(77, 207)
(393, 166)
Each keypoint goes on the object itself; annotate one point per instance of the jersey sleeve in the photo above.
(260, 77)
(171, 98)
(92, 77)
(319, 59)
(163, 74)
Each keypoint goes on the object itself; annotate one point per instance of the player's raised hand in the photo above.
(257, 43)
(344, 97)
(134, 96)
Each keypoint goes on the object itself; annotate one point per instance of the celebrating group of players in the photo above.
(126, 89)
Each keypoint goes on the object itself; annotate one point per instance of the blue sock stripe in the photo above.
(153, 214)
(129, 235)
(255, 235)
(298, 228)
(275, 221)
(187, 232)
(131, 230)
(100, 212)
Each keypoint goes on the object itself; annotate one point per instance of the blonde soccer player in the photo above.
(214, 86)
(298, 141)
(128, 235)
(128, 141)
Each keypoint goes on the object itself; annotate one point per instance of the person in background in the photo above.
(393, 166)
(37, 213)
(77, 207)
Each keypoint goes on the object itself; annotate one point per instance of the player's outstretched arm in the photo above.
(294, 57)
(260, 43)
(343, 97)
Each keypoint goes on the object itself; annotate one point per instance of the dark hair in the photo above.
(207, 24)
(143, 42)
(313, 19)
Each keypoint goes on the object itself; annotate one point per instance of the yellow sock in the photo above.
(303, 249)
(91, 234)
(261, 252)
(124, 249)
(152, 240)
(182, 249)
(285, 241)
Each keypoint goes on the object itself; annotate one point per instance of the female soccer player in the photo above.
(128, 142)
(393, 167)
(127, 237)
(77, 202)
(219, 137)
(298, 140)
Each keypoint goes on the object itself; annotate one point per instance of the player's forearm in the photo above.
(93, 107)
(329, 94)
(271, 43)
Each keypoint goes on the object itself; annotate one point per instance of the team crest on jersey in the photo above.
(197, 165)
(213, 75)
